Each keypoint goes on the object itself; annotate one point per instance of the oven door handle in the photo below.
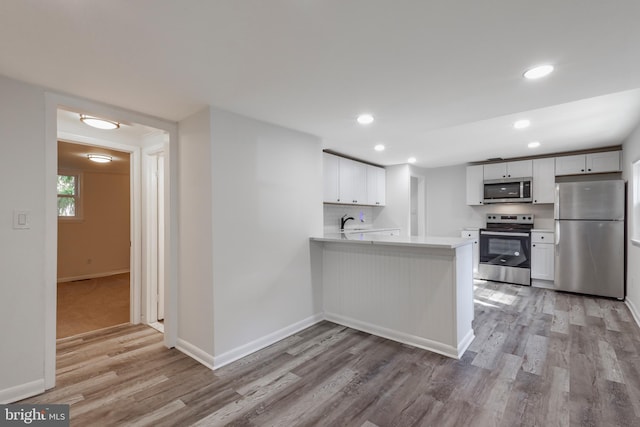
(506, 233)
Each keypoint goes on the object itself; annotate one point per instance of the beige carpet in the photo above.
(92, 304)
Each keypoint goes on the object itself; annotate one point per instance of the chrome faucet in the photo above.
(344, 220)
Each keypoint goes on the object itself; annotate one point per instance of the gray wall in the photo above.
(631, 153)
(22, 261)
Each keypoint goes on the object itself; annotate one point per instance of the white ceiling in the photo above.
(442, 77)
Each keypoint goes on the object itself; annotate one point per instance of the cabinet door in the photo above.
(542, 259)
(495, 171)
(376, 185)
(544, 180)
(330, 168)
(603, 162)
(475, 188)
(353, 182)
(520, 169)
(475, 235)
(570, 165)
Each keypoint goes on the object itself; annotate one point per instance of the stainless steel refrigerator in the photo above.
(590, 230)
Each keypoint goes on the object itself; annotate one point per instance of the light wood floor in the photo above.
(88, 305)
(539, 359)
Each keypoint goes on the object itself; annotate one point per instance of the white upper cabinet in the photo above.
(376, 185)
(544, 180)
(603, 162)
(353, 183)
(608, 161)
(475, 187)
(571, 165)
(517, 169)
(330, 170)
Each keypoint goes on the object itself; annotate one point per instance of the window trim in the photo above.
(79, 216)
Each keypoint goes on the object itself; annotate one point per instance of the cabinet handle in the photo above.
(533, 245)
(504, 176)
(589, 170)
(581, 170)
(509, 176)
(535, 201)
(541, 237)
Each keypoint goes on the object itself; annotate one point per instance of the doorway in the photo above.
(93, 268)
(162, 134)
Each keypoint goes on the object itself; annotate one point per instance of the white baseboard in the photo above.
(424, 343)
(267, 340)
(195, 353)
(634, 311)
(92, 276)
(22, 391)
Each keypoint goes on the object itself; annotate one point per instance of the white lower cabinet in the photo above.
(542, 255)
(475, 235)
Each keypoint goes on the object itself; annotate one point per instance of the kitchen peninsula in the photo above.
(415, 290)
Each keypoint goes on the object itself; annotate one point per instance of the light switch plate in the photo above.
(21, 220)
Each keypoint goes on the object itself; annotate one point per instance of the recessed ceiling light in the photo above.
(365, 119)
(99, 158)
(411, 160)
(379, 147)
(533, 144)
(521, 124)
(538, 72)
(99, 123)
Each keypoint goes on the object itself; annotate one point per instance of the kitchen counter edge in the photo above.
(413, 241)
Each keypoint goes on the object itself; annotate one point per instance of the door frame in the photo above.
(53, 101)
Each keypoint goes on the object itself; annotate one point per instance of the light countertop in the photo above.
(415, 241)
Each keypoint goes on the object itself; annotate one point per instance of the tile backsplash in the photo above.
(364, 217)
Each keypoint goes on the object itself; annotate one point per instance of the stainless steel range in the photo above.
(505, 249)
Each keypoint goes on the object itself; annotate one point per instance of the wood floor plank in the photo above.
(540, 358)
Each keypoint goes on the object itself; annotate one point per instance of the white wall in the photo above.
(267, 202)
(447, 211)
(22, 288)
(396, 213)
(195, 290)
(631, 153)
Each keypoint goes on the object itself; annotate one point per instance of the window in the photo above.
(69, 196)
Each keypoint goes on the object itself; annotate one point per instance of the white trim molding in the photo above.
(401, 337)
(634, 311)
(22, 391)
(92, 276)
(253, 346)
(195, 353)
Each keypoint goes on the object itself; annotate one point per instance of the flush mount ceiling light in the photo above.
(538, 72)
(365, 119)
(99, 123)
(411, 160)
(379, 147)
(521, 124)
(533, 144)
(99, 158)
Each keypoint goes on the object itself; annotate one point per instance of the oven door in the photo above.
(505, 248)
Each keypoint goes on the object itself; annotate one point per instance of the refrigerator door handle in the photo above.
(556, 203)
(557, 235)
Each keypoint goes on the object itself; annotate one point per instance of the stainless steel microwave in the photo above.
(509, 190)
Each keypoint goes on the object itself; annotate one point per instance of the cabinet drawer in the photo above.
(541, 237)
